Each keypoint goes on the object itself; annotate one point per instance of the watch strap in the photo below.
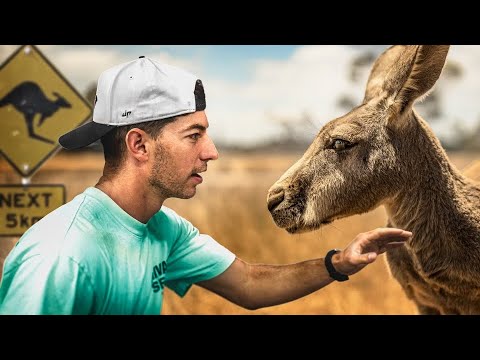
(334, 274)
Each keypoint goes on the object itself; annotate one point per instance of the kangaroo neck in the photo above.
(432, 201)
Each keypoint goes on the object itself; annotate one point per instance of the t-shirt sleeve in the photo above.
(194, 257)
(46, 285)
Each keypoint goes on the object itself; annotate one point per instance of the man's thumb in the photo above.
(370, 257)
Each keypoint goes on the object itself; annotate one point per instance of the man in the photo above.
(113, 248)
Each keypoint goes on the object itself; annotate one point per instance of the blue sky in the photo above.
(251, 88)
(230, 61)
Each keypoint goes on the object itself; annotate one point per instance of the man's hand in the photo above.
(365, 248)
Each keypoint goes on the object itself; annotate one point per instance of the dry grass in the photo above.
(231, 207)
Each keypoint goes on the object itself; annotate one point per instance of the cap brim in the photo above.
(84, 135)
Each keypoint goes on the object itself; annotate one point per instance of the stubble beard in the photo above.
(167, 186)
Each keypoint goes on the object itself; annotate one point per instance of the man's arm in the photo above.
(254, 286)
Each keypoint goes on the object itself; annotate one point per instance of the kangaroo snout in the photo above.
(275, 198)
(61, 101)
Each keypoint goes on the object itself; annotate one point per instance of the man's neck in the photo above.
(135, 198)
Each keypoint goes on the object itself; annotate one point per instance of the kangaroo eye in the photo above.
(339, 144)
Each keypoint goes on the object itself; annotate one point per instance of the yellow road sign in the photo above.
(37, 106)
(22, 206)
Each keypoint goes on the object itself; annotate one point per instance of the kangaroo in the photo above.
(383, 153)
(29, 99)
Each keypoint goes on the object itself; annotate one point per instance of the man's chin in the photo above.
(187, 194)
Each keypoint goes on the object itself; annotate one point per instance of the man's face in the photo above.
(182, 151)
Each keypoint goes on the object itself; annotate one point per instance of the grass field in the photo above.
(231, 207)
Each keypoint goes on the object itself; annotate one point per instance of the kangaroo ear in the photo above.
(405, 73)
(380, 76)
(427, 62)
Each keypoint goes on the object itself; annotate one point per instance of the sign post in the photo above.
(37, 106)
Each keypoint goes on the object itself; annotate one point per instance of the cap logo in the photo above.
(126, 113)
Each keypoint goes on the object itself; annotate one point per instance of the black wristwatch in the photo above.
(334, 274)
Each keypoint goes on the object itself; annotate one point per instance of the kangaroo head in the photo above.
(61, 101)
(357, 161)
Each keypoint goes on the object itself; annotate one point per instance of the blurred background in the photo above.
(265, 104)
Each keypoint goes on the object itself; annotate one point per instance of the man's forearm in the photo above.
(269, 285)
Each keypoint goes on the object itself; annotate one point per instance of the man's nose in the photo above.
(210, 151)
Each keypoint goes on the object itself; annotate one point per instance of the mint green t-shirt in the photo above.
(91, 257)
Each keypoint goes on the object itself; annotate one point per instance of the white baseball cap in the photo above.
(134, 92)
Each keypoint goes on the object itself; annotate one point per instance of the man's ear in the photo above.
(138, 144)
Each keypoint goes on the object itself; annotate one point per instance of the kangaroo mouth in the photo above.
(297, 229)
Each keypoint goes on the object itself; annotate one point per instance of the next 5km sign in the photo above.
(22, 206)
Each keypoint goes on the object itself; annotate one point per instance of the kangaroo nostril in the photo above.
(275, 198)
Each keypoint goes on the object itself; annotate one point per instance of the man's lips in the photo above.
(197, 177)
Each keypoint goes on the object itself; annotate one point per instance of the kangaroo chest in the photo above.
(432, 291)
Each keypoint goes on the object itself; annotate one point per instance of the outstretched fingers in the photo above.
(366, 247)
(376, 242)
(388, 234)
(381, 237)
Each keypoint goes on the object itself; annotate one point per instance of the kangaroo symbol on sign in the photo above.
(30, 100)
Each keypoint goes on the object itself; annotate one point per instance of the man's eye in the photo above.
(195, 136)
(339, 144)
